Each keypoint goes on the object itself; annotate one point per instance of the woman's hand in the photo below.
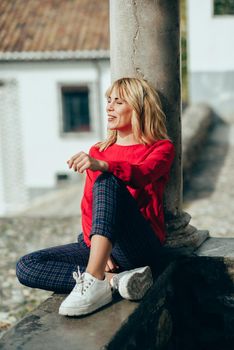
(82, 161)
(111, 265)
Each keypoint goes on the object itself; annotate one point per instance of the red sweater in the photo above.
(145, 171)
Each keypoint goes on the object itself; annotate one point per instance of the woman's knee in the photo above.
(24, 269)
(108, 179)
(105, 177)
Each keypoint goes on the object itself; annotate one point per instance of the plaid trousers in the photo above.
(115, 216)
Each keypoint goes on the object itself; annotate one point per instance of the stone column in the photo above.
(145, 43)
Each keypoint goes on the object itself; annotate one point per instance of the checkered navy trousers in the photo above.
(115, 216)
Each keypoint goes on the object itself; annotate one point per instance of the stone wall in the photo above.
(204, 302)
(191, 305)
(196, 121)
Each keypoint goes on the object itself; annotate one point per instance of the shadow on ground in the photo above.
(205, 172)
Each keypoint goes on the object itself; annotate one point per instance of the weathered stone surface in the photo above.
(227, 300)
(196, 122)
(19, 236)
(208, 196)
(151, 326)
(145, 43)
(190, 306)
(217, 247)
(45, 328)
(194, 308)
(204, 287)
(182, 238)
(164, 329)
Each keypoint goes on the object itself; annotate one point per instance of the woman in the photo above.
(122, 208)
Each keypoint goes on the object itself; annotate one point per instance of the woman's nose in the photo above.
(110, 106)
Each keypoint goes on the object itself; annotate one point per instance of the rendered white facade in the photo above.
(34, 149)
(210, 57)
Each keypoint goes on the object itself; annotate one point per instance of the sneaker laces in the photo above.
(83, 282)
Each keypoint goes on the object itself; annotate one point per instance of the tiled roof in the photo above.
(53, 25)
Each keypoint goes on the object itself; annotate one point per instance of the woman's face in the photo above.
(119, 113)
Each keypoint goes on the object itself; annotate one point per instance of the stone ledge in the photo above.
(217, 247)
(45, 326)
(190, 306)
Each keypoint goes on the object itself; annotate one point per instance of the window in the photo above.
(75, 108)
(223, 7)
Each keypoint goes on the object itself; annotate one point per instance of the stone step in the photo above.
(217, 247)
(190, 306)
(44, 328)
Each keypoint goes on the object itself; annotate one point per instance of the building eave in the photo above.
(54, 55)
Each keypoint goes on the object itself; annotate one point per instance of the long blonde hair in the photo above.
(148, 118)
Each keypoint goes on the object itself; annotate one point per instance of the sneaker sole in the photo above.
(72, 311)
(135, 285)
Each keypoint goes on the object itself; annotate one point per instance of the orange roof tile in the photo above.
(53, 25)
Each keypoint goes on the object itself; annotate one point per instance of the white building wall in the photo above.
(45, 148)
(105, 81)
(13, 194)
(210, 56)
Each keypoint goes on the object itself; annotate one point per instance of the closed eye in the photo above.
(119, 102)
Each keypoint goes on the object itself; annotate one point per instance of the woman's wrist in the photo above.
(104, 166)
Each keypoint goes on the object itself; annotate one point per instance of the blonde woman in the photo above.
(122, 208)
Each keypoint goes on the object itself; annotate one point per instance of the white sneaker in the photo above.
(88, 295)
(133, 284)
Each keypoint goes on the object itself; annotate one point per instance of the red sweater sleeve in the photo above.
(155, 165)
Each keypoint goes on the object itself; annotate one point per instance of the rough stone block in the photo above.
(44, 328)
(196, 122)
(190, 306)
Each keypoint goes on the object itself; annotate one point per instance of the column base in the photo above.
(182, 238)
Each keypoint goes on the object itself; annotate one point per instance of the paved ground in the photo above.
(64, 202)
(208, 198)
(20, 236)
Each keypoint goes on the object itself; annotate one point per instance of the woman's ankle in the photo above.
(98, 275)
(109, 276)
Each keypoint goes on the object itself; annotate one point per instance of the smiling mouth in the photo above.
(110, 118)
